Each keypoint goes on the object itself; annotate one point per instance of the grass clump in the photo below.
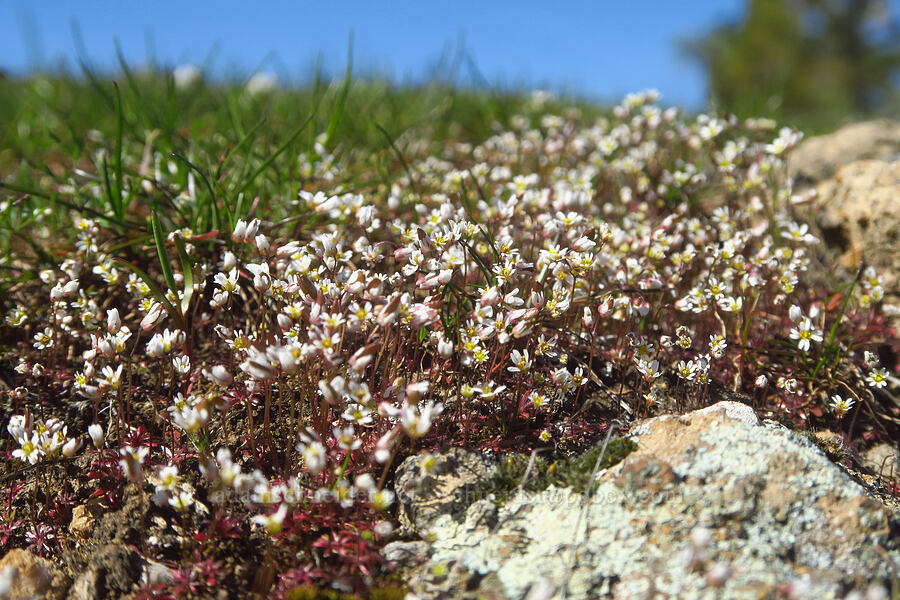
(513, 472)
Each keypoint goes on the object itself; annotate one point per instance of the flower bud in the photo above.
(96, 433)
(113, 322)
(71, 447)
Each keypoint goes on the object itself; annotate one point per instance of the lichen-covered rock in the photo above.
(425, 492)
(713, 504)
(860, 214)
(820, 157)
(24, 576)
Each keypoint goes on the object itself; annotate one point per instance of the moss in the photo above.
(311, 592)
(573, 473)
(832, 447)
(388, 593)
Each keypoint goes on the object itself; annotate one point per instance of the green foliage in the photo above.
(808, 63)
(311, 592)
(574, 473)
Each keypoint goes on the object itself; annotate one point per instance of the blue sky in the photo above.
(601, 49)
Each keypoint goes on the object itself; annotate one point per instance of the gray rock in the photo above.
(713, 504)
(402, 557)
(444, 489)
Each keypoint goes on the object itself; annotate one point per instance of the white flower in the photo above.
(182, 364)
(805, 333)
(313, 456)
(841, 405)
(219, 374)
(111, 378)
(274, 522)
(520, 362)
(877, 378)
(416, 422)
(132, 461)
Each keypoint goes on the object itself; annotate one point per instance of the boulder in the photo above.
(820, 157)
(24, 576)
(712, 504)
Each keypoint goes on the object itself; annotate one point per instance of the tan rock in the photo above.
(84, 517)
(24, 576)
(820, 157)
(860, 214)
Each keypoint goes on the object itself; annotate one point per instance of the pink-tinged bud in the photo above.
(490, 296)
(537, 299)
(522, 328)
(583, 244)
(284, 321)
(219, 375)
(363, 357)
(388, 313)
(604, 309)
(422, 316)
(587, 317)
(262, 243)
(415, 390)
(445, 348)
(71, 447)
(154, 316)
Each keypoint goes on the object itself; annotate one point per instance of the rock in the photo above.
(859, 215)
(444, 489)
(84, 517)
(402, 557)
(111, 573)
(155, 573)
(820, 157)
(24, 576)
(881, 459)
(712, 504)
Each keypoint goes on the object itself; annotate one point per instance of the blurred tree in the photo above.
(809, 63)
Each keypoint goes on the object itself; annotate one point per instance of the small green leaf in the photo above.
(160, 239)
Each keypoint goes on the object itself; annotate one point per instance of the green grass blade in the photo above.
(830, 348)
(247, 138)
(159, 239)
(214, 207)
(390, 140)
(277, 153)
(120, 121)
